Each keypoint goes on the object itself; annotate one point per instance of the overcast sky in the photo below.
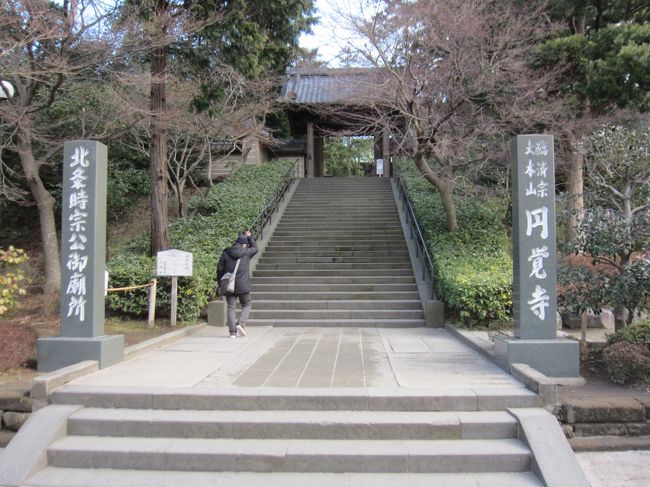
(330, 34)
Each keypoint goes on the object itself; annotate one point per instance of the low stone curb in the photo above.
(472, 341)
(610, 443)
(612, 417)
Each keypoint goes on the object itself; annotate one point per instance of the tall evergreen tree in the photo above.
(605, 52)
(252, 37)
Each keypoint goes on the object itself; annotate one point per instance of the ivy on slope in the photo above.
(473, 265)
(229, 208)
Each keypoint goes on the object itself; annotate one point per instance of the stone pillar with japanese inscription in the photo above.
(535, 341)
(83, 249)
(533, 238)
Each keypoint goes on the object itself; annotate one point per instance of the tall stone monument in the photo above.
(535, 341)
(83, 254)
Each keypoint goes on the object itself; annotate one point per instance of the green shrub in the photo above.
(638, 332)
(473, 265)
(229, 208)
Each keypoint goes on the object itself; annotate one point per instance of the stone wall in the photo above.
(622, 416)
(15, 407)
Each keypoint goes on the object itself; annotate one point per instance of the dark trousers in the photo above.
(246, 305)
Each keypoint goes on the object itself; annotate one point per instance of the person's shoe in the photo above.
(241, 331)
(233, 335)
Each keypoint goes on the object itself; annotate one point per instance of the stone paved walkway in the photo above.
(310, 357)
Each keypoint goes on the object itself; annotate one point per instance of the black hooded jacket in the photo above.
(228, 261)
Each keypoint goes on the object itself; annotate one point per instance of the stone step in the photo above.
(336, 280)
(321, 246)
(378, 243)
(364, 223)
(378, 196)
(338, 304)
(342, 273)
(298, 399)
(344, 217)
(283, 259)
(339, 323)
(71, 477)
(260, 313)
(302, 253)
(318, 234)
(374, 204)
(352, 425)
(334, 295)
(360, 226)
(296, 455)
(383, 266)
(357, 209)
(340, 287)
(341, 189)
(357, 213)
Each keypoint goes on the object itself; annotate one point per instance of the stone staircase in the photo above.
(288, 437)
(337, 258)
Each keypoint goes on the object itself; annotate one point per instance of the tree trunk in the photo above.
(45, 204)
(180, 188)
(444, 187)
(619, 317)
(246, 149)
(158, 153)
(576, 203)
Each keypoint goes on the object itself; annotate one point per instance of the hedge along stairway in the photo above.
(337, 258)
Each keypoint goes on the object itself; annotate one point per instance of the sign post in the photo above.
(535, 340)
(83, 249)
(174, 263)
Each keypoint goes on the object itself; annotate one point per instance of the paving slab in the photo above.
(616, 469)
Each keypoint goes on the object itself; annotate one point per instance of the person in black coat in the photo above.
(244, 248)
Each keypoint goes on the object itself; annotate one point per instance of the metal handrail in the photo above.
(265, 216)
(416, 232)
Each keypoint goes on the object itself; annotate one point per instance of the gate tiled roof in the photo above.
(329, 86)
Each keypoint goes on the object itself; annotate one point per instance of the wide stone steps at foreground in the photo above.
(314, 437)
(294, 407)
(337, 258)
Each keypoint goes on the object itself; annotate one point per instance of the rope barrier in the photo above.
(152, 298)
(129, 288)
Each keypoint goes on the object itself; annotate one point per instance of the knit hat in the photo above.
(242, 240)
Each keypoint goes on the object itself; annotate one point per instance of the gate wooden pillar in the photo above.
(310, 161)
(382, 151)
(385, 152)
(319, 157)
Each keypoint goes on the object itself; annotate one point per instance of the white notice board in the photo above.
(174, 263)
(380, 167)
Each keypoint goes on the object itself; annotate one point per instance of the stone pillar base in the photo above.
(58, 352)
(553, 358)
(434, 314)
(217, 313)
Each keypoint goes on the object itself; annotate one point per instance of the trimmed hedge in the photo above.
(473, 265)
(229, 208)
